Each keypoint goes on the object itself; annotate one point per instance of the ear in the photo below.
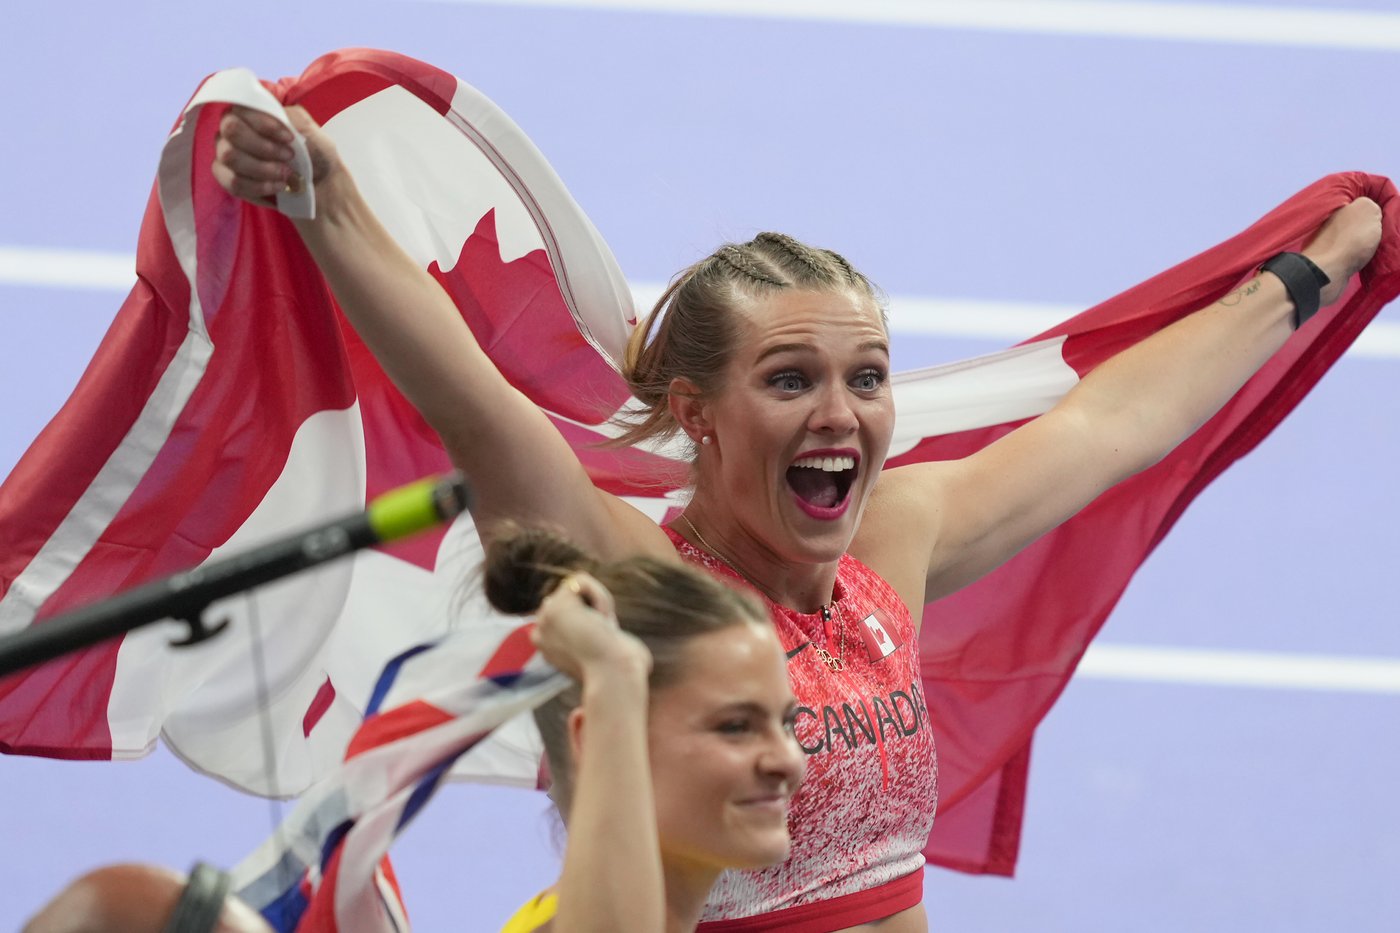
(688, 408)
(574, 727)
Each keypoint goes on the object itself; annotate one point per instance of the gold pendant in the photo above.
(836, 664)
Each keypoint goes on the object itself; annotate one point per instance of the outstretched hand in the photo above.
(1345, 243)
(253, 156)
(577, 631)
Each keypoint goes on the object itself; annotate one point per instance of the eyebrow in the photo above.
(784, 348)
(744, 706)
(881, 345)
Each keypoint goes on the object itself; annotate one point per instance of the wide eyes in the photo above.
(790, 381)
(868, 380)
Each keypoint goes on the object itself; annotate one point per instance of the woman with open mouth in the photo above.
(772, 358)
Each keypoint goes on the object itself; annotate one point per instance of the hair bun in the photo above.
(524, 565)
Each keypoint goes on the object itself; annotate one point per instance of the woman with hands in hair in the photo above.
(672, 758)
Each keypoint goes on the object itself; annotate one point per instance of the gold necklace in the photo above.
(837, 663)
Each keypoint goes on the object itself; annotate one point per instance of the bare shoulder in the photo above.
(900, 527)
(638, 533)
(606, 526)
(902, 506)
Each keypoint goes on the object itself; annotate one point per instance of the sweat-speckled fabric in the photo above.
(864, 811)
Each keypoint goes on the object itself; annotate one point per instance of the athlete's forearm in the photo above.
(1143, 402)
(405, 318)
(612, 880)
(518, 464)
(1140, 404)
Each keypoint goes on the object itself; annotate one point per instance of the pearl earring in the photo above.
(705, 439)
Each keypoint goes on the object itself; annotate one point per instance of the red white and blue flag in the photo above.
(326, 870)
(230, 402)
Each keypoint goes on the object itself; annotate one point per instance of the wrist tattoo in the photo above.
(1239, 294)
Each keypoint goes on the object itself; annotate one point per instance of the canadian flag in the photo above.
(878, 640)
(231, 403)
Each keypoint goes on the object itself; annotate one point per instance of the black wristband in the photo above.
(1303, 281)
(201, 902)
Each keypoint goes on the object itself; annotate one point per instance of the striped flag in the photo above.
(326, 870)
(231, 402)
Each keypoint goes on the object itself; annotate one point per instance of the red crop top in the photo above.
(862, 817)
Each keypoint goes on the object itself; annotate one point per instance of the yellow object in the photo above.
(533, 915)
(402, 511)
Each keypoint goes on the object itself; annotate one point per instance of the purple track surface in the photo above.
(949, 164)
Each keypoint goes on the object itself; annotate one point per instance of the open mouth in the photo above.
(822, 480)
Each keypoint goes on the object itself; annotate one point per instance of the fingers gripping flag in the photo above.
(256, 410)
(229, 403)
(996, 654)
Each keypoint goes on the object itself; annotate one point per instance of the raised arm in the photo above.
(1122, 418)
(518, 464)
(612, 880)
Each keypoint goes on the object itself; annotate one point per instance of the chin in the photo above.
(825, 540)
(760, 857)
(761, 850)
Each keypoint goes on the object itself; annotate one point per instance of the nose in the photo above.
(784, 761)
(832, 412)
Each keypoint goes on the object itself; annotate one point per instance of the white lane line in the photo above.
(87, 269)
(1242, 669)
(67, 268)
(1006, 322)
(1001, 320)
(1189, 22)
(1010, 322)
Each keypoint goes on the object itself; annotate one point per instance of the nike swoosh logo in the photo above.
(798, 650)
